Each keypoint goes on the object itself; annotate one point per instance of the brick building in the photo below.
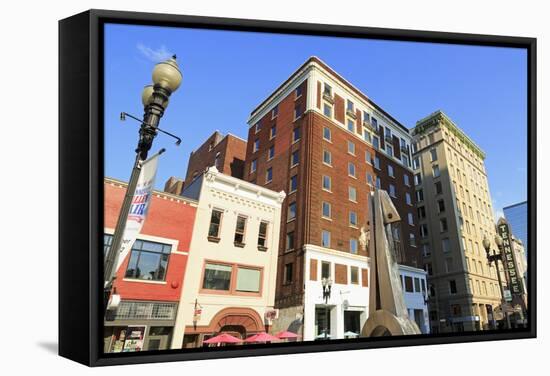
(174, 185)
(328, 145)
(227, 153)
(149, 280)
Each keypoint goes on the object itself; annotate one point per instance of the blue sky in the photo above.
(226, 74)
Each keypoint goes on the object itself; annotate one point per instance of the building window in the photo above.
(253, 166)
(349, 106)
(435, 170)
(293, 183)
(262, 235)
(412, 240)
(369, 179)
(148, 261)
(353, 218)
(420, 195)
(325, 269)
(327, 157)
(248, 280)
(405, 159)
(452, 286)
(378, 182)
(215, 223)
(327, 183)
(408, 198)
(297, 111)
(446, 245)
(351, 148)
(325, 239)
(441, 206)
(389, 149)
(327, 90)
(426, 250)
(327, 135)
(354, 275)
(424, 230)
(269, 175)
(366, 135)
(417, 285)
(291, 211)
(390, 171)
(351, 169)
(374, 122)
(375, 141)
(443, 224)
(296, 134)
(409, 284)
(366, 116)
(240, 230)
(298, 92)
(290, 241)
(353, 246)
(417, 179)
(438, 188)
(107, 242)
(257, 128)
(327, 210)
(217, 277)
(406, 180)
(368, 157)
(273, 132)
(410, 218)
(416, 163)
(275, 112)
(433, 153)
(295, 158)
(352, 194)
(377, 162)
(271, 152)
(421, 212)
(392, 191)
(327, 110)
(287, 277)
(256, 145)
(351, 125)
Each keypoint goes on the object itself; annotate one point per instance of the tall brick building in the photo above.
(327, 145)
(227, 153)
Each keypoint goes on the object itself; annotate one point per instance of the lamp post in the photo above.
(166, 79)
(495, 257)
(327, 285)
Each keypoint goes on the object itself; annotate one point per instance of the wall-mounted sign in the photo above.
(508, 258)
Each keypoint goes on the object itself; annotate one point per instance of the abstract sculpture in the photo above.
(387, 311)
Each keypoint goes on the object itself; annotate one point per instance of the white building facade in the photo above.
(414, 286)
(229, 284)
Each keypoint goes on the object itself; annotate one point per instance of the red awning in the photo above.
(286, 335)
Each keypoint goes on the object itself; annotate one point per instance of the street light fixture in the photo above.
(495, 257)
(327, 286)
(167, 78)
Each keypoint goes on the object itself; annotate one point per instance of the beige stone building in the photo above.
(454, 214)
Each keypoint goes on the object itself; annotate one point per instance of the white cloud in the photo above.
(155, 56)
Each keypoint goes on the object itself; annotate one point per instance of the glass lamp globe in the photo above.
(498, 240)
(147, 95)
(486, 242)
(167, 74)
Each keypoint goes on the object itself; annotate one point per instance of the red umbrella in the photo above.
(223, 338)
(261, 337)
(286, 335)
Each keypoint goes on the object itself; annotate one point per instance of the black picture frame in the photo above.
(81, 177)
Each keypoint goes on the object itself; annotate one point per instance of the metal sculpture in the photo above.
(387, 311)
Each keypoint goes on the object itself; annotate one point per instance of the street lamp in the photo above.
(495, 257)
(166, 79)
(327, 285)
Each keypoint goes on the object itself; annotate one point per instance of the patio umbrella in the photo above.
(223, 338)
(261, 337)
(286, 335)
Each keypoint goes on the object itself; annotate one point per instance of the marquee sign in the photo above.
(508, 258)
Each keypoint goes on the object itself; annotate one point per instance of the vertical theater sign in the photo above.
(515, 285)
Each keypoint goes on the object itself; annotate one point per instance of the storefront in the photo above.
(140, 326)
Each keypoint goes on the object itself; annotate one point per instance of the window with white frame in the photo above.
(327, 209)
(327, 135)
(353, 219)
(351, 169)
(327, 183)
(390, 171)
(327, 157)
(392, 191)
(352, 194)
(325, 239)
(410, 219)
(353, 246)
(351, 148)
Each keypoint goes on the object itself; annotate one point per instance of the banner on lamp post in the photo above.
(139, 206)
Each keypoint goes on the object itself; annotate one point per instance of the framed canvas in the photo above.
(236, 188)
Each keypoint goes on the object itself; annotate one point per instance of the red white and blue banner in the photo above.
(139, 207)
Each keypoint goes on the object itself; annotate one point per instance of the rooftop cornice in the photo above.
(440, 118)
(158, 193)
